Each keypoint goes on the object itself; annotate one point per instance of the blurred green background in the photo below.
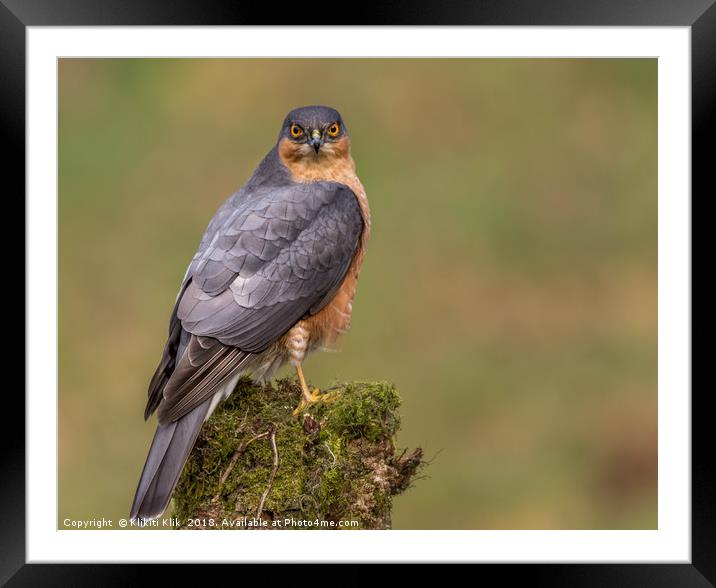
(509, 290)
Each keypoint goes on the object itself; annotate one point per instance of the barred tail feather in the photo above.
(169, 451)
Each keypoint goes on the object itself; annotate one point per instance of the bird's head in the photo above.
(313, 135)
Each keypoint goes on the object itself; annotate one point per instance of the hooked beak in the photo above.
(316, 140)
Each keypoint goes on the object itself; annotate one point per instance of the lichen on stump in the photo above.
(254, 461)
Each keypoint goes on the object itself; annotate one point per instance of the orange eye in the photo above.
(334, 129)
(296, 131)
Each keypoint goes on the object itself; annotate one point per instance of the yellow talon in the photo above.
(313, 396)
(309, 397)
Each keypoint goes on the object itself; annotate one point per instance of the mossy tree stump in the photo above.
(335, 466)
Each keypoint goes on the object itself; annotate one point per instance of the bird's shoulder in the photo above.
(263, 219)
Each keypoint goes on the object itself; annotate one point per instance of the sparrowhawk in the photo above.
(273, 279)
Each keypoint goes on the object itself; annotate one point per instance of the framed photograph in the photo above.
(477, 223)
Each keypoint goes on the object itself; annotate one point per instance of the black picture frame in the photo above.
(17, 15)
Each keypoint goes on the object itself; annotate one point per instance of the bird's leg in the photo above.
(308, 397)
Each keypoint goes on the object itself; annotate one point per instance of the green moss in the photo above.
(337, 461)
(364, 410)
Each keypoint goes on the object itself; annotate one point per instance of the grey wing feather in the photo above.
(176, 342)
(204, 367)
(270, 262)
